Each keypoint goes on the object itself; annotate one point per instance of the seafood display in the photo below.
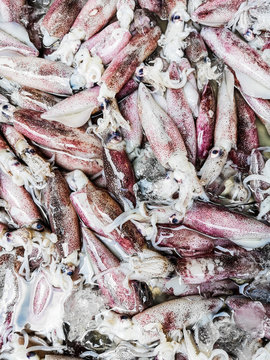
(135, 179)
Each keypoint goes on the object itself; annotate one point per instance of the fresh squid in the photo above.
(225, 136)
(250, 69)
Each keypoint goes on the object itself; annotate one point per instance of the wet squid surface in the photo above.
(134, 180)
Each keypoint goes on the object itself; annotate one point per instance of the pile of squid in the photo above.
(134, 179)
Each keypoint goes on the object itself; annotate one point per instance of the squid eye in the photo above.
(216, 152)
(175, 18)
(249, 35)
(69, 269)
(139, 74)
(174, 219)
(124, 317)
(38, 226)
(114, 137)
(30, 354)
(5, 107)
(30, 151)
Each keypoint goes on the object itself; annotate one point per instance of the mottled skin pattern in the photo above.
(11, 135)
(125, 63)
(205, 123)
(57, 136)
(161, 131)
(105, 44)
(69, 162)
(123, 297)
(262, 109)
(129, 109)
(217, 267)
(7, 318)
(237, 54)
(247, 134)
(251, 316)
(180, 113)
(257, 164)
(32, 99)
(63, 218)
(219, 222)
(94, 15)
(175, 314)
(170, 5)
(60, 17)
(216, 12)
(21, 206)
(41, 74)
(196, 49)
(225, 133)
(205, 289)
(120, 176)
(240, 158)
(127, 89)
(156, 6)
(226, 119)
(184, 241)
(10, 10)
(98, 209)
(9, 43)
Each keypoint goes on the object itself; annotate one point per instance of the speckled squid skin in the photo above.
(219, 222)
(262, 109)
(119, 174)
(251, 316)
(94, 15)
(75, 110)
(205, 289)
(247, 134)
(121, 295)
(60, 17)
(196, 49)
(161, 131)
(225, 133)
(69, 162)
(170, 5)
(127, 89)
(21, 206)
(190, 89)
(106, 44)
(205, 123)
(180, 113)
(98, 209)
(41, 74)
(12, 136)
(57, 136)
(175, 314)
(216, 12)
(184, 241)
(226, 118)
(9, 282)
(129, 109)
(257, 164)
(243, 59)
(217, 267)
(9, 43)
(32, 99)
(125, 63)
(156, 6)
(63, 218)
(10, 10)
